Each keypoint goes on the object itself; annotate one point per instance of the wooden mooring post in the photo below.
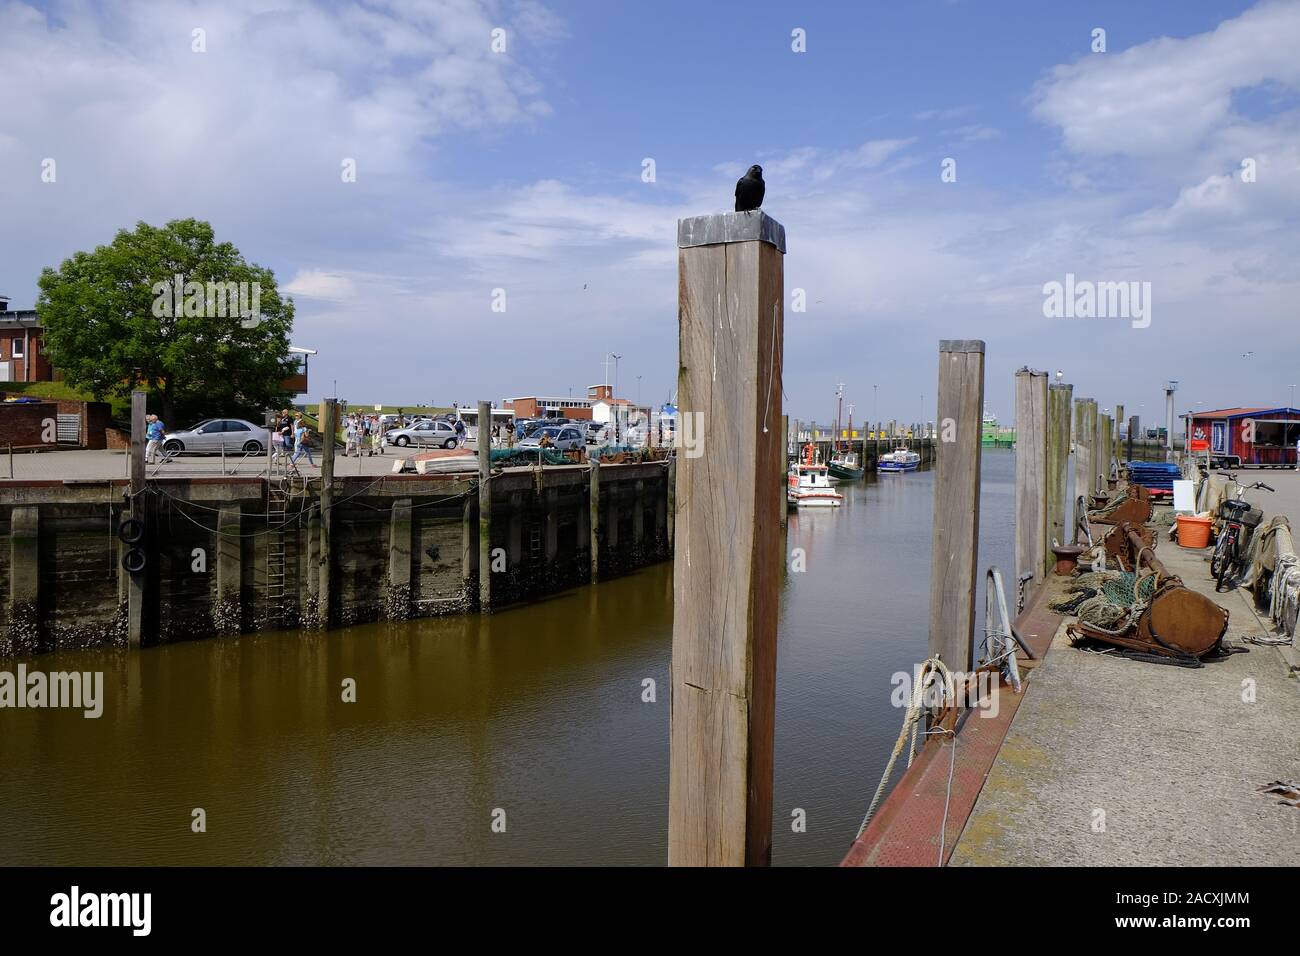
(1085, 433)
(1117, 445)
(136, 583)
(1058, 463)
(953, 572)
(727, 567)
(1132, 433)
(1031, 474)
(484, 509)
(325, 598)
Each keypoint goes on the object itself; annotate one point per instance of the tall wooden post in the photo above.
(956, 502)
(672, 501)
(139, 510)
(325, 557)
(1107, 447)
(397, 606)
(484, 511)
(228, 612)
(782, 469)
(1099, 458)
(595, 530)
(727, 569)
(1085, 433)
(1117, 444)
(24, 583)
(1132, 434)
(1031, 472)
(1058, 463)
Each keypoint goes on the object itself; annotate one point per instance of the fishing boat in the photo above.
(844, 464)
(901, 458)
(808, 484)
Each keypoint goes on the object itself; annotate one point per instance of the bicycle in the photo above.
(1228, 555)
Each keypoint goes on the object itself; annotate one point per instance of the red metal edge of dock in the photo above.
(906, 828)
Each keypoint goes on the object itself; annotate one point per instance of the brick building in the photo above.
(22, 352)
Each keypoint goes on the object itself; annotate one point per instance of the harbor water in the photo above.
(538, 720)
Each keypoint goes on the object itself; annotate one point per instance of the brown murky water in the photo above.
(537, 712)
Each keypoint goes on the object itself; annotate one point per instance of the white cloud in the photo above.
(1168, 95)
(316, 284)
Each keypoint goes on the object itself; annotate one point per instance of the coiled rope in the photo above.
(931, 670)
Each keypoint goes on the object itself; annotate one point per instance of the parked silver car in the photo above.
(563, 437)
(439, 434)
(210, 437)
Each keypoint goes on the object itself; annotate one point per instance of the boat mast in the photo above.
(839, 411)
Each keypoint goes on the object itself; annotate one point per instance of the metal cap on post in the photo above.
(727, 571)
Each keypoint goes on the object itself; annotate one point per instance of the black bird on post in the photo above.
(749, 189)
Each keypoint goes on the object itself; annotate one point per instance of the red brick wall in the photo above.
(22, 424)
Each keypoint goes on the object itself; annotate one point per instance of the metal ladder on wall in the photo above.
(277, 509)
(535, 545)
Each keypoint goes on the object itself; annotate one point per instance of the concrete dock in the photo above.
(1112, 762)
(1108, 761)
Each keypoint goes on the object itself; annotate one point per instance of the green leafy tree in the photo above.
(172, 310)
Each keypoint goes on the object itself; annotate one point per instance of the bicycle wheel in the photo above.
(1225, 561)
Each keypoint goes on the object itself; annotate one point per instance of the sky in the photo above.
(1171, 157)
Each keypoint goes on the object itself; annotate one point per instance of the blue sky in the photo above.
(522, 171)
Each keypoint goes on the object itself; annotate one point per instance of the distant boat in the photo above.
(846, 464)
(900, 459)
(992, 434)
(808, 485)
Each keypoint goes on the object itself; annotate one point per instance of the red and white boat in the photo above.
(808, 484)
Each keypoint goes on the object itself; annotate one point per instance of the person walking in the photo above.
(301, 443)
(153, 432)
(349, 436)
(284, 425)
(460, 432)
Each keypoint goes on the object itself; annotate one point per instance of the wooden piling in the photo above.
(1117, 444)
(1058, 461)
(138, 510)
(24, 583)
(1106, 448)
(729, 553)
(228, 612)
(1132, 433)
(325, 557)
(398, 605)
(1085, 434)
(593, 518)
(484, 511)
(469, 550)
(1031, 473)
(953, 570)
(672, 501)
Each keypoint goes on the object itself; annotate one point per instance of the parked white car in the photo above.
(563, 437)
(435, 433)
(212, 436)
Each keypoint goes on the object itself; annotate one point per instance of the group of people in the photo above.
(362, 434)
(290, 438)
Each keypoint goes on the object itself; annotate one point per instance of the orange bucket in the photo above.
(1193, 532)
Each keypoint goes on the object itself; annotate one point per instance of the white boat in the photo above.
(808, 484)
(901, 458)
(440, 462)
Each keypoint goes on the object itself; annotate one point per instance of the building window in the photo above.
(17, 348)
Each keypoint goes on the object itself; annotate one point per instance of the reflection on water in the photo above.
(537, 711)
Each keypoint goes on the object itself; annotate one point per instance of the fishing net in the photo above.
(1106, 599)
